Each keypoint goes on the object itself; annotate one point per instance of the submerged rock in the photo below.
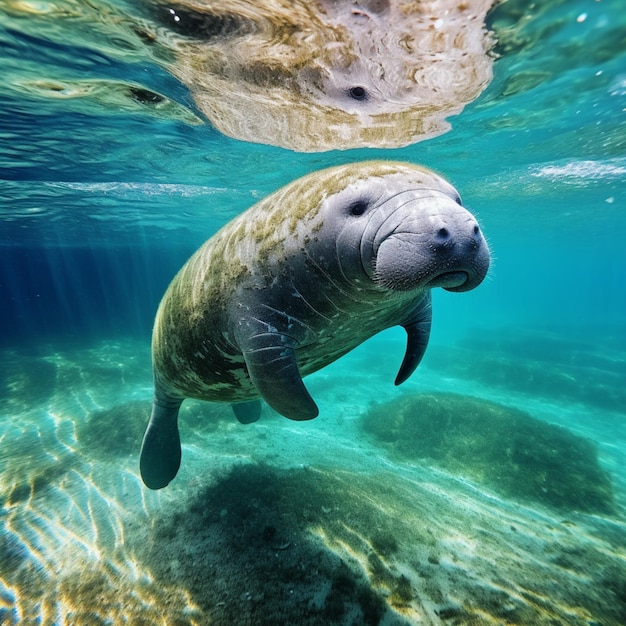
(299, 546)
(114, 431)
(505, 449)
(118, 431)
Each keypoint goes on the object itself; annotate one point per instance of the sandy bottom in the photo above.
(280, 522)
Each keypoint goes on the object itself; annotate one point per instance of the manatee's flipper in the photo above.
(247, 412)
(160, 451)
(417, 327)
(271, 360)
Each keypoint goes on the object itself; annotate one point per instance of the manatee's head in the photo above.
(400, 227)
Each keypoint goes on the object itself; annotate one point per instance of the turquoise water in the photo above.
(111, 177)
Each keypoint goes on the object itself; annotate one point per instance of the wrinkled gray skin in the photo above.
(342, 266)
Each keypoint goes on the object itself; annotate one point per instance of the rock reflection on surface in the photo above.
(314, 76)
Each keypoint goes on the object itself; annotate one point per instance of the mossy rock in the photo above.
(505, 449)
(283, 537)
(117, 431)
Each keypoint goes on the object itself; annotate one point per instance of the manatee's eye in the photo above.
(358, 208)
(458, 200)
(358, 93)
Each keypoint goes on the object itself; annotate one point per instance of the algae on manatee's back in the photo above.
(503, 448)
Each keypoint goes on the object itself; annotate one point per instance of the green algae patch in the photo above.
(502, 448)
(118, 431)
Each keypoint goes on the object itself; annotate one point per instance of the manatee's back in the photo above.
(191, 351)
(259, 256)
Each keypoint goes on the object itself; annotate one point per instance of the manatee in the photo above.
(297, 281)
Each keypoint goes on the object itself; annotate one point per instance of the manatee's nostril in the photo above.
(475, 241)
(442, 239)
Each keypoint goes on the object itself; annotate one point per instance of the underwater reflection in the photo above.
(308, 75)
(329, 74)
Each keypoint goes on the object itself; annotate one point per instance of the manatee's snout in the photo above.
(437, 246)
(461, 255)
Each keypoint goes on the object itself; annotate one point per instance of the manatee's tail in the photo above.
(160, 451)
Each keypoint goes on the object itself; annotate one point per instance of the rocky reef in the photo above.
(503, 448)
